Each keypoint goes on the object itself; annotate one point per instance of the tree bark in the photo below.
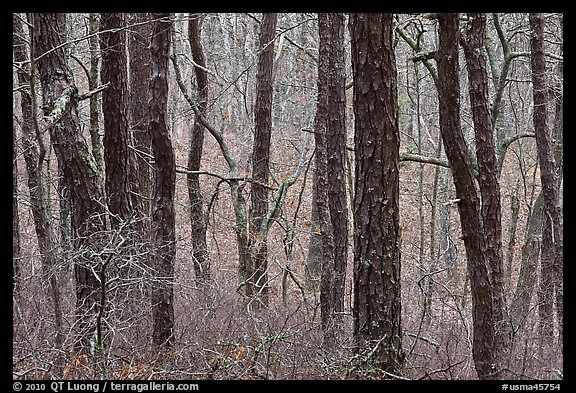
(76, 163)
(197, 214)
(163, 214)
(377, 303)
(322, 177)
(553, 243)
(261, 159)
(490, 210)
(139, 96)
(336, 160)
(484, 339)
(117, 156)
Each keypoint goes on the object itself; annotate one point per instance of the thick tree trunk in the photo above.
(197, 215)
(490, 210)
(322, 178)
(377, 304)
(139, 96)
(553, 243)
(261, 159)
(163, 214)
(75, 161)
(484, 351)
(117, 155)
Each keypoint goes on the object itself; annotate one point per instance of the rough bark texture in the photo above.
(261, 158)
(163, 214)
(490, 210)
(76, 163)
(484, 349)
(197, 215)
(377, 306)
(117, 156)
(336, 148)
(322, 177)
(139, 96)
(552, 256)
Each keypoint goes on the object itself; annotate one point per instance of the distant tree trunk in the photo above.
(520, 306)
(15, 218)
(510, 252)
(485, 353)
(197, 215)
(79, 171)
(261, 158)
(326, 260)
(377, 303)
(139, 96)
(163, 214)
(552, 242)
(313, 264)
(490, 210)
(97, 149)
(336, 161)
(117, 155)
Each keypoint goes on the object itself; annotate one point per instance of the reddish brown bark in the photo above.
(163, 214)
(197, 215)
(377, 305)
(261, 158)
(117, 155)
(485, 352)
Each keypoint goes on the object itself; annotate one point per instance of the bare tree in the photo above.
(163, 214)
(552, 242)
(489, 331)
(257, 273)
(377, 303)
(197, 214)
(490, 211)
(60, 99)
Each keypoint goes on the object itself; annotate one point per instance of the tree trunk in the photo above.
(313, 265)
(336, 148)
(520, 307)
(75, 161)
(197, 215)
(163, 214)
(484, 340)
(117, 156)
(490, 210)
(261, 158)
(377, 304)
(97, 149)
(322, 178)
(15, 218)
(553, 243)
(139, 96)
